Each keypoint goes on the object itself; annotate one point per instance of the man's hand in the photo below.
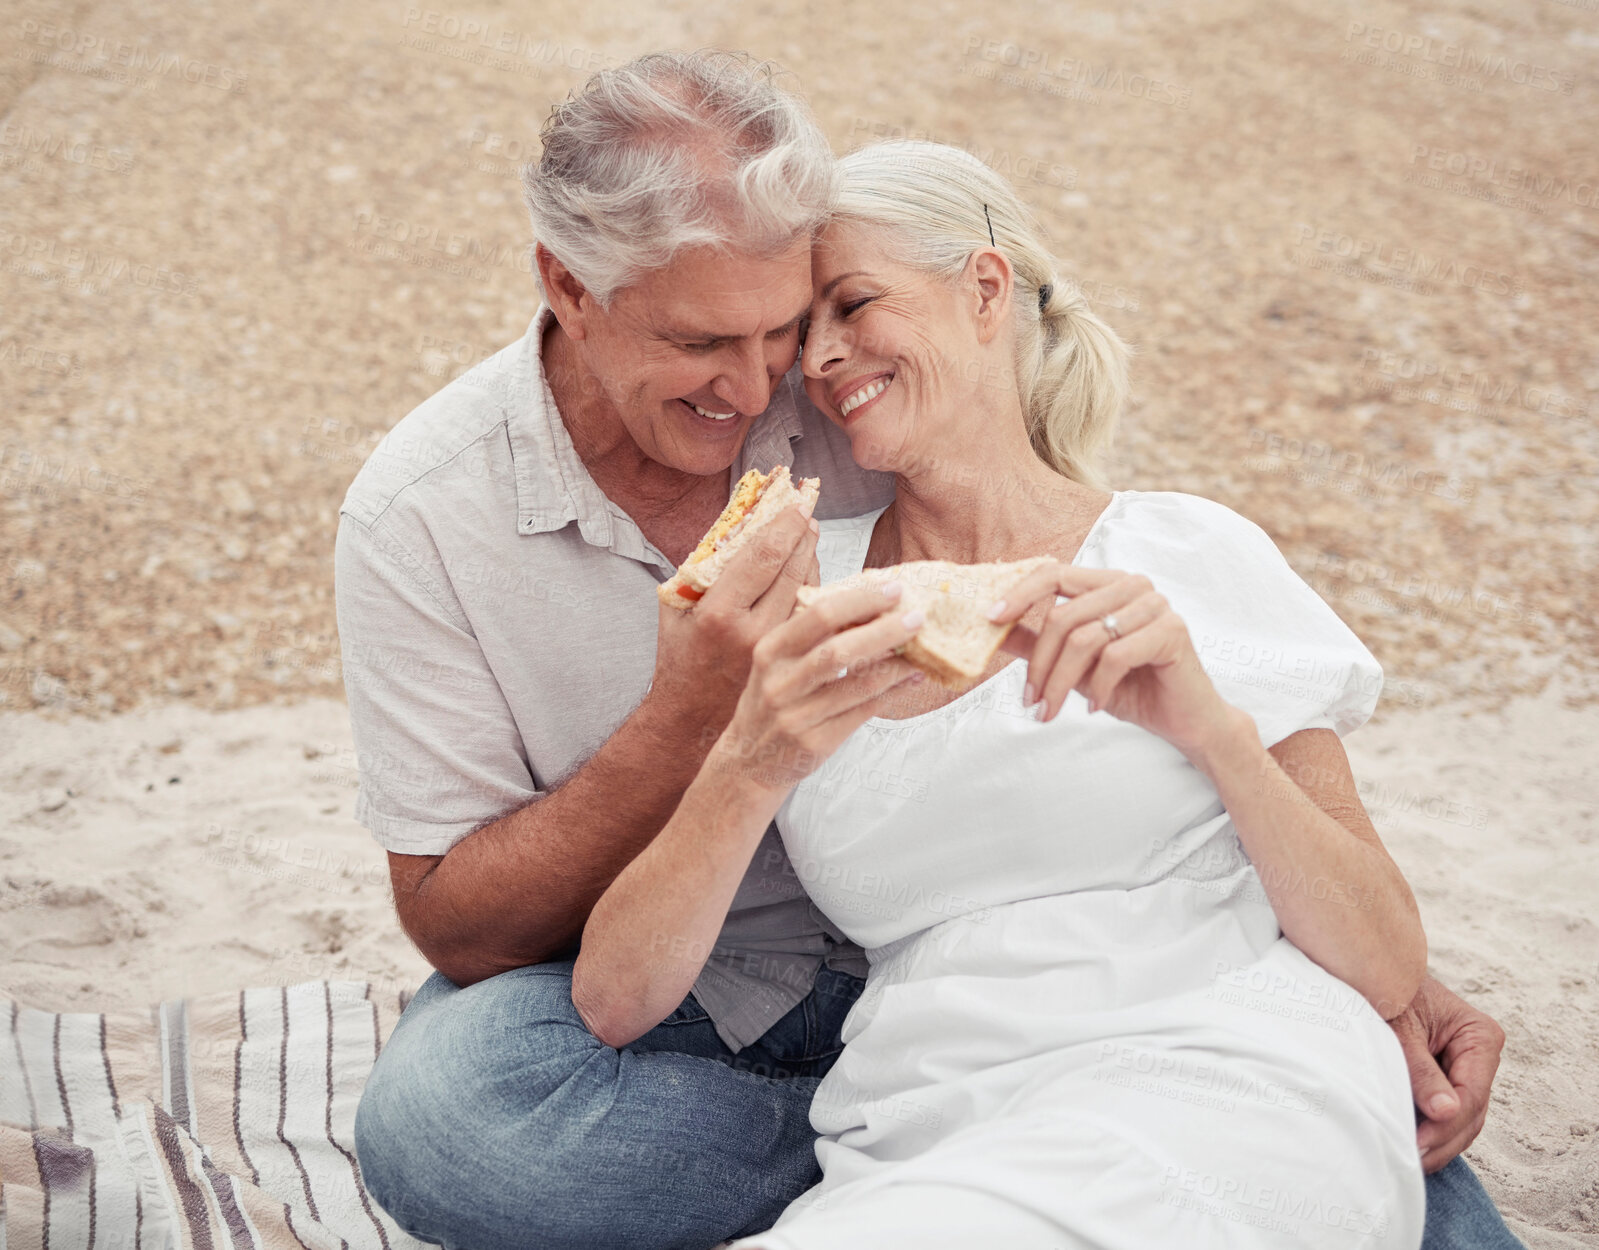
(702, 656)
(1453, 1052)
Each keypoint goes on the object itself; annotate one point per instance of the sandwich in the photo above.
(757, 499)
(956, 642)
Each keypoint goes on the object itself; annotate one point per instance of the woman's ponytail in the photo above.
(1073, 383)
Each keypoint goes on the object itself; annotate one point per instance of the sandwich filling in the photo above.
(746, 511)
(746, 495)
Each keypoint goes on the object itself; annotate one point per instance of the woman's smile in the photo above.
(860, 393)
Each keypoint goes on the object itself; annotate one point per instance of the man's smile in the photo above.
(708, 418)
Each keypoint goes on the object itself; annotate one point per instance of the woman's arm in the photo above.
(652, 930)
(1337, 893)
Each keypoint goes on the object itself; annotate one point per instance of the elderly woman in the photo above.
(1132, 956)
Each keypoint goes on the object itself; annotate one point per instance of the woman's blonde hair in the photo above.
(941, 204)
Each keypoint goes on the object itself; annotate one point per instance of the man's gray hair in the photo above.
(675, 150)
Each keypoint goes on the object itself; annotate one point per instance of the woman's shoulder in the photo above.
(1270, 642)
(1180, 525)
(1176, 508)
(1199, 545)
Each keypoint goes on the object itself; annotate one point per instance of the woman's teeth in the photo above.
(870, 391)
(714, 416)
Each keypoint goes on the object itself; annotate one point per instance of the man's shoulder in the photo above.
(463, 414)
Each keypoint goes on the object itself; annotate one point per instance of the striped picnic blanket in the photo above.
(221, 1122)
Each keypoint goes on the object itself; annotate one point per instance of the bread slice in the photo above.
(957, 641)
(756, 500)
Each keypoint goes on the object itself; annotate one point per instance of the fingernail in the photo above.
(816, 526)
(1093, 706)
(999, 606)
(1028, 694)
(913, 618)
(1038, 710)
(1441, 1104)
(891, 588)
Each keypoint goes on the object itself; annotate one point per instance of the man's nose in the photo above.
(745, 385)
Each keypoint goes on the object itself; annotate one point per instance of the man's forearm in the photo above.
(519, 890)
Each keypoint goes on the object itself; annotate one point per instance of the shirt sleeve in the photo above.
(437, 750)
(1269, 642)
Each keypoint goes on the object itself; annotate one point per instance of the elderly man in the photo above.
(527, 716)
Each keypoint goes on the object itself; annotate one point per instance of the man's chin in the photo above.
(701, 445)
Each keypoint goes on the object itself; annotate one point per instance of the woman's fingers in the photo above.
(1048, 580)
(830, 640)
(1088, 643)
(826, 715)
(810, 627)
(845, 703)
(851, 649)
(1150, 645)
(1062, 623)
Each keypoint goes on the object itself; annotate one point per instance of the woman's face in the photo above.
(891, 352)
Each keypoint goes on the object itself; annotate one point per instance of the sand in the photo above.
(1354, 248)
(233, 286)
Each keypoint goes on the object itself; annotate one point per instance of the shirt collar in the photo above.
(554, 486)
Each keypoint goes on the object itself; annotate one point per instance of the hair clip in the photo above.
(1044, 292)
(990, 222)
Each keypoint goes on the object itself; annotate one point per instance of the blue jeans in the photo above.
(1461, 1214)
(494, 1120)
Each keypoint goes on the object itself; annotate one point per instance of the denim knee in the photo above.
(463, 1081)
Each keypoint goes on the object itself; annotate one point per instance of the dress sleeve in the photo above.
(1269, 642)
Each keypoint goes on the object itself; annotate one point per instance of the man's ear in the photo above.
(991, 281)
(568, 298)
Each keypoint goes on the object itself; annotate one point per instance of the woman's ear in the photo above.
(991, 279)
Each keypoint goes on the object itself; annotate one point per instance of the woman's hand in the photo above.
(796, 707)
(1139, 665)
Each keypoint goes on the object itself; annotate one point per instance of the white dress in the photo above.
(1083, 1026)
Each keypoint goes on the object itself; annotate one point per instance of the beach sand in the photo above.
(1355, 250)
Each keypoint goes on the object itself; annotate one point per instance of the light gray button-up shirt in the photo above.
(497, 622)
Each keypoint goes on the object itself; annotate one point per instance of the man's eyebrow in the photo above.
(828, 289)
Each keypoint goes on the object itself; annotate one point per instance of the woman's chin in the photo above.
(870, 451)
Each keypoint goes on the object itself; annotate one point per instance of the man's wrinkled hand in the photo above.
(1453, 1052)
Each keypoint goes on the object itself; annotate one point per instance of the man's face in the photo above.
(712, 333)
